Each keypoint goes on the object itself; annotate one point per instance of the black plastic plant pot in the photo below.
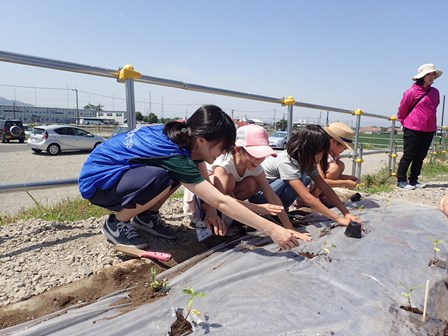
(353, 230)
(356, 197)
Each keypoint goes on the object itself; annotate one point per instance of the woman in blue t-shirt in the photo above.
(134, 173)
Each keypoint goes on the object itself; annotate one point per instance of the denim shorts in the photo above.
(136, 186)
(282, 189)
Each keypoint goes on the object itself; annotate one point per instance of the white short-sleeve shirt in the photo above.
(227, 162)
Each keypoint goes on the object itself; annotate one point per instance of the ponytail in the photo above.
(208, 122)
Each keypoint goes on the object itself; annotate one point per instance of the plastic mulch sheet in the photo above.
(333, 285)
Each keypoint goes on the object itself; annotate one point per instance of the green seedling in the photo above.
(158, 286)
(388, 202)
(435, 244)
(192, 294)
(327, 248)
(360, 207)
(408, 294)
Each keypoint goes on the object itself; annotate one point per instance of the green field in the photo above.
(381, 141)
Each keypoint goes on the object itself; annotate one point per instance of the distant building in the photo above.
(255, 121)
(50, 115)
(370, 130)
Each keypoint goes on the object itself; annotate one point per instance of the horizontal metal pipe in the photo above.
(204, 89)
(57, 65)
(90, 70)
(38, 185)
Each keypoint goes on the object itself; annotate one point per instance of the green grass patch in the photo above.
(66, 210)
(381, 181)
(435, 170)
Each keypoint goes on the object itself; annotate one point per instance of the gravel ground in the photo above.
(37, 255)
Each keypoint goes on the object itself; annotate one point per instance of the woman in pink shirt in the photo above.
(417, 114)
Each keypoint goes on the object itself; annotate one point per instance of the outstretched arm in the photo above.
(229, 206)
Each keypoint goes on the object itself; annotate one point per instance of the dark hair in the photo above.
(306, 143)
(208, 122)
(420, 81)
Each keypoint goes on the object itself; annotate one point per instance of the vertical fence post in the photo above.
(127, 75)
(289, 101)
(357, 113)
(392, 118)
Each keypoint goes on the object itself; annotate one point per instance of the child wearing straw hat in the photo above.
(341, 138)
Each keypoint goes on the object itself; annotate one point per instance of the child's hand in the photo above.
(298, 235)
(283, 237)
(350, 184)
(216, 224)
(353, 218)
(343, 221)
(268, 209)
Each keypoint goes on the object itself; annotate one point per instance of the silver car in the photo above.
(57, 138)
(278, 139)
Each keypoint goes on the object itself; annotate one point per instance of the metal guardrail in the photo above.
(39, 185)
(128, 76)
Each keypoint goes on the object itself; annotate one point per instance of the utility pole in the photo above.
(14, 105)
(162, 108)
(77, 108)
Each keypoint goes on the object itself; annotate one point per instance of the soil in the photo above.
(411, 309)
(181, 326)
(132, 276)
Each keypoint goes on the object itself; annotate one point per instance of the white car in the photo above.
(278, 139)
(57, 138)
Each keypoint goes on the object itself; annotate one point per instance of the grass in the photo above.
(381, 181)
(436, 168)
(66, 210)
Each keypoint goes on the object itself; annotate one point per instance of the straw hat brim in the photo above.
(337, 138)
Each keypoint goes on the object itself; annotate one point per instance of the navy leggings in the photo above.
(136, 186)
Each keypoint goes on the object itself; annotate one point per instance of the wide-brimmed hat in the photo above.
(255, 140)
(426, 69)
(341, 133)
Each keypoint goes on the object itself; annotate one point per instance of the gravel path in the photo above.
(37, 255)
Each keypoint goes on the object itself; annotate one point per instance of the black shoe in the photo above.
(122, 233)
(152, 222)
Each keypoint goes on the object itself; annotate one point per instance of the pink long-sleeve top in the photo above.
(423, 116)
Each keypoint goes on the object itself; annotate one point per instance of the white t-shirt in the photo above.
(285, 168)
(227, 162)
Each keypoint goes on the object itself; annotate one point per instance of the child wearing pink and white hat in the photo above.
(241, 175)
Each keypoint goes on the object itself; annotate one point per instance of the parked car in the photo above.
(28, 130)
(12, 130)
(278, 139)
(57, 138)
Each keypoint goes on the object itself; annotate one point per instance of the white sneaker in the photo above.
(405, 186)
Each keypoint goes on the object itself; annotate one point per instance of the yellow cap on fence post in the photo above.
(288, 101)
(393, 117)
(128, 72)
(357, 112)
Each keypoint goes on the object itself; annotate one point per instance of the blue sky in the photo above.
(344, 54)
